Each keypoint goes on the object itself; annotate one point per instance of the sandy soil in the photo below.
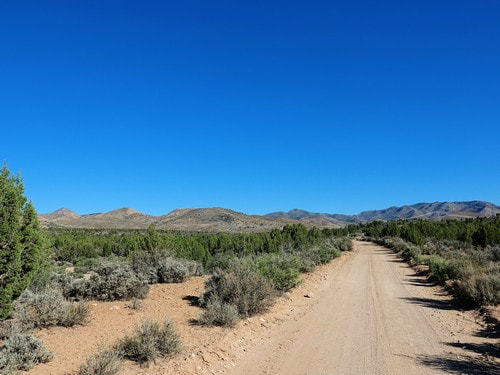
(364, 313)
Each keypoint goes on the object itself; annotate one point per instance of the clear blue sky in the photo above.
(258, 106)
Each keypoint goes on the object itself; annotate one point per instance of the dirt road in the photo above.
(374, 316)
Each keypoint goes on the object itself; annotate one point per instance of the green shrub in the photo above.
(218, 313)
(321, 254)
(106, 362)
(149, 341)
(110, 282)
(306, 264)
(222, 261)
(440, 268)
(282, 269)
(48, 307)
(241, 286)
(22, 352)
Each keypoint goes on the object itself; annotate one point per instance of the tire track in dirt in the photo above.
(372, 320)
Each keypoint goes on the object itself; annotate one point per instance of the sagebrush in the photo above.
(105, 362)
(22, 352)
(243, 287)
(48, 307)
(149, 341)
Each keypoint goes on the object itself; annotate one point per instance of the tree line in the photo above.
(481, 231)
(74, 244)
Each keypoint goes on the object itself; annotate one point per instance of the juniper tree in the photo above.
(21, 241)
(152, 239)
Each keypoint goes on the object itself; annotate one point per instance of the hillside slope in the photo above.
(224, 220)
(186, 219)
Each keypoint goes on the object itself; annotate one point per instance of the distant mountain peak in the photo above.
(63, 212)
(126, 211)
(434, 210)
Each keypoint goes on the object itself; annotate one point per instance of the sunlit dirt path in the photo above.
(375, 317)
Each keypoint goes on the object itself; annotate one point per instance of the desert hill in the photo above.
(186, 219)
(224, 220)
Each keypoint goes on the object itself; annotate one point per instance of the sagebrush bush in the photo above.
(48, 307)
(149, 341)
(105, 362)
(22, 352)
(219, 313)
(77, 313)
(110, 282)
(479, 288)
(241, 286)
(136, 304)
(9, 328)
(341, 243)
(282, 269)
(159, 267)
(172, 271)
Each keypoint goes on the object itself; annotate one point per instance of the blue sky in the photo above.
(256, 106)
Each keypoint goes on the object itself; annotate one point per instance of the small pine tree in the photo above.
(152, 239)
(21, 241)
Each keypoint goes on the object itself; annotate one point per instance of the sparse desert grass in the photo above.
(149, 341)
(22, 352)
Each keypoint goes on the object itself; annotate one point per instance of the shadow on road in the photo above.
(434, 303)
(488, 350)
(461, 365)
(419, 281)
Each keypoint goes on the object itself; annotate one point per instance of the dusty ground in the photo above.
(365, 313)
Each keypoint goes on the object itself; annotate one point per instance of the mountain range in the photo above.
(225, 220)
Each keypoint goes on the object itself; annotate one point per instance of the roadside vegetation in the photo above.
(48, 275)
(462, 254)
